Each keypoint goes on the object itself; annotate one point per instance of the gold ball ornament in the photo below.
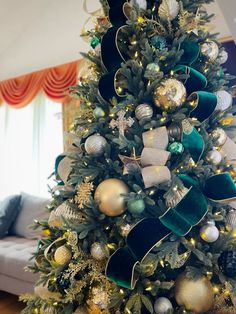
(195, 295)
(170, 94)
(108, 196)
(214, 157)
(210, 50)
(219, 137)
(62, 255)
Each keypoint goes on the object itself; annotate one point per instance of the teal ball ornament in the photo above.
(136, 207)
(176, 148)
(95, 41)
(158, 42)
(98, 113)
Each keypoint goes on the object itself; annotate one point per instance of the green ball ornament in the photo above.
(136, 207)
(94, 42)
(176, 148)
(98, 113)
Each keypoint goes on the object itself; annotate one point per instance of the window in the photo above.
(30, 140)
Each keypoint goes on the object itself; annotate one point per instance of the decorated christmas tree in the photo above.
(142, 218)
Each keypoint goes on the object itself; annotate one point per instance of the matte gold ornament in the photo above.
(219, 137)
(214, 157)
(62, 255)
(210, 50)
(170, 94)
(143, 111)
(169, 9)
(224, 100)
(108, 196)
(99, 251)
(95, 145)
(195, 295)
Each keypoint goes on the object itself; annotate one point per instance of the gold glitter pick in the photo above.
(83, 193)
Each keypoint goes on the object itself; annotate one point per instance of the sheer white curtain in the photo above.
(30, 140)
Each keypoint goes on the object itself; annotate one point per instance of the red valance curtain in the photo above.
(54, 82)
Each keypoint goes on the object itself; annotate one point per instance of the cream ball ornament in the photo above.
(162, 306)
(62, 255)
(210, 49)
(209, 233)
(169, 95)
(219, 137)
(143, 111)
(99, 251)
(195, 295)
(214, 157)
(95, 145)
(223, 57)
(109, 197)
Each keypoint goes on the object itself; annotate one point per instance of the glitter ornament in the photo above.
(230, 220)
(99, 251)
(176, 148)
(224, 100)
(153, 67)
(223, 57)
(100, 297)
(62, 255)
(136, 207)
(162, 306)
(124, 229)
(219, 137)
(169, 95)
(195, 295)
(95, 145)
(108, 196)
(98, 113)
(214, 157)
(209, 233)
(168, 9)
(227, 263)
(143, 111)
(210, 50)
(158, 42)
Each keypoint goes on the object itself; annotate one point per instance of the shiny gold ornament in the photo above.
(62, 255)
(210, 50)
(214, 157)
(219, 137)
(227, 120)
(195, 295)
(168, 9)
(108, 197)
(47, 232)
(169, 95)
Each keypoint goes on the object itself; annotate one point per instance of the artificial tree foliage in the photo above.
(82, 282)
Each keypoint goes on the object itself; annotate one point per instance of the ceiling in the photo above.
(36, 34)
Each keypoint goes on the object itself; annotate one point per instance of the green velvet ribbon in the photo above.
(204, 105)
(191, 52)
(195, 81)
(220, 188)
(193, 142)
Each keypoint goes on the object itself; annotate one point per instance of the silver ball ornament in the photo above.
(162, 306)
(223, 57)
(210, 49)
(209, 233)
(95, 145)
(141, 3)
(214, 157)
(219, 137)
(143, 111)
(224, 100)
(99, 251)
(231, 219)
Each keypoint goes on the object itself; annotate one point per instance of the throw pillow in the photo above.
(32, 207)
(9, 209)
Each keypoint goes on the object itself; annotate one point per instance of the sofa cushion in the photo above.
(15, 253)
(9, 209)
(32, 207)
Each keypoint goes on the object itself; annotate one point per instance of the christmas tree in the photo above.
(142, 219)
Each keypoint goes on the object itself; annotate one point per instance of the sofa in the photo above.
(18, 241)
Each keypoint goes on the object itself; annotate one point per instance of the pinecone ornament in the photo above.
(227, 263)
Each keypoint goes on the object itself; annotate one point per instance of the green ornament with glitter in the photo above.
(176, 148)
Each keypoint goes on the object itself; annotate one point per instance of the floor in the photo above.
(9, 304)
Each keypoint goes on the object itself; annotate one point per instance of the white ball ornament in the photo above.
(141, 3)
(95, 145)
(214, 157)
(224, 100)
(209, 233)
(223, 57)
(162, 306)
(143, 111)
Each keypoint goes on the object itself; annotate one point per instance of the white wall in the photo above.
(36, 34)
